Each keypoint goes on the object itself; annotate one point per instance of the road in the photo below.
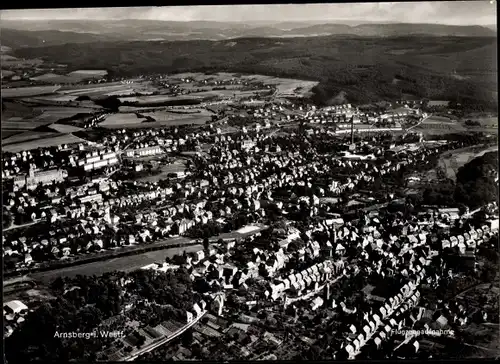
(163, 341)
(13, 226)
(420, 122)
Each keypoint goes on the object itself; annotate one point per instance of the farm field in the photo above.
(23, 124)
(101, 91)
(157, 124)
(24, 136)
(195, 119)
(228, 93)
(123, 92)
(56, 98)
(7, 57)
(9, 133)
(121, 120)
(72, 88)
(285, 86)
(194, 75)
(438, 103)
(435, 119)
(63, 128)
(89, 73)
(54, 78)
(28, 91)
(48, 116)
(156, 99)
(109, 89)
(64, 111)
(51, 141)
(128, 109)
(7, 73)
(189, 111)
(487, 121)
(166, 116)
(18, 64)
(439, 127)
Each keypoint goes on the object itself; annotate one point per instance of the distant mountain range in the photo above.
(37, 33)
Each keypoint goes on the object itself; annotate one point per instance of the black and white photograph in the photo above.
(250, 182)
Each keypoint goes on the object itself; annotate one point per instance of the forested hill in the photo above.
(52, 32)
(365, 69)
(476, 185)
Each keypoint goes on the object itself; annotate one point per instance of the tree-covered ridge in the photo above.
(477, 182)
(366, 69)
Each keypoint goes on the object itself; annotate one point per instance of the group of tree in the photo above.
(201, 231)
(82, 304)
(476, 185)
(173, 288)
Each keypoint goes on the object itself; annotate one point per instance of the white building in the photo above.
(15, 307)
(33, 179)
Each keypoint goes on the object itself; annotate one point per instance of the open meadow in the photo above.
(10, 133)
(109, 89)
(165, 117)
(121, 120)
(22, 136)
(63, 128)
(28, 91)
(485, 121)
(7, 73)
(89, 73)
(64, 112)
(56, 98)
(138, 100)
(229, 93)
(54, 78)
(177, 166)
(23, 124)
(70, 78)
(435, 119)
(41, 142)
(285, 86)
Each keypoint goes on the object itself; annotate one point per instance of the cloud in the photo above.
(446, 12)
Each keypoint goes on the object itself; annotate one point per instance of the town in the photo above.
(243, 190)
(284, 223)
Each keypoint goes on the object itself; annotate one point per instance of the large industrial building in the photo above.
(145, 152)
(33, 178)
(98, 160)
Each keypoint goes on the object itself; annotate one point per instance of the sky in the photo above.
(480, 12)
